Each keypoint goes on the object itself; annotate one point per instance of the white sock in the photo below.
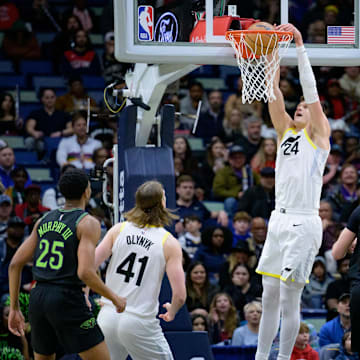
(290, 296)
(270, 318)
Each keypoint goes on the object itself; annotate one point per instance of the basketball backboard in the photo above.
(192, 31)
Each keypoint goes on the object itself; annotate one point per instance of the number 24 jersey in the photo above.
(299, 171)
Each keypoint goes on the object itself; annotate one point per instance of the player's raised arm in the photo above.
(22, 256)
(279, 117)
(175, 273)
(319, 123)
(88, 232)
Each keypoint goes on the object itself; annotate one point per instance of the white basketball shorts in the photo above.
(292, 242)
(129, 334)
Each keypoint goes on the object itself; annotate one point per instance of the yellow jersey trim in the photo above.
(309, 140)
(286, 131)
(164, 238)
(122, 226)
(276, 276)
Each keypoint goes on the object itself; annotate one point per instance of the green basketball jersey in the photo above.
(55, 259)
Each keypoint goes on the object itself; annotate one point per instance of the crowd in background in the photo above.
(225, 191)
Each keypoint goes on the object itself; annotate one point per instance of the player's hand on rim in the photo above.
(168, 316)
(293, 29)
(16, 323)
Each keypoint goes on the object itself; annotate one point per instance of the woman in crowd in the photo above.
(241, 289)
(9, 123)
(233, 126)
(216, 157)
(223, 318)
(265, 156)
(182, 150)
(215, 244)
(198, 288)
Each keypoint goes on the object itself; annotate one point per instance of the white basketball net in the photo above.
(258, 72)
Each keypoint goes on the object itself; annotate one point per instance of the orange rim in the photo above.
(236, 34)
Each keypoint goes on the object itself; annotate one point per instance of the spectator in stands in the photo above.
(82, 58)
(313, 296)
(256, 242)
(338, 131)
(332, 168)
(252, 140)
(65, 39)
(46, 121)
(113, 69)
(316, 32)
(334, 102)
(53, 198)
(5, 212)
(233, 180)
(333, 331)
(331, 231)
(41, 15)
(259, 200)
(345, 352)
(302, 348)
(16, 192)
(215, 245)
(350, 82)
(344, 195)
(215, 159)
(188, 205)
(32, 209)
(352, 151)
(78, 149)
(239, 254)
(199, 290)
(7, 164)
(242, 289)
(14, 238)
(191, 239)
(12, 346)
(189, 105)
(76, 99)
(84, 13)
(232, 127)
(9, 14)
(20, 44)
(182, 149)
(199, 322)
(10, 123)
(234, 101)
(247, 335)
(210, 122)
(265, 156)
(338, 287)
(240, 227)
(223, 319)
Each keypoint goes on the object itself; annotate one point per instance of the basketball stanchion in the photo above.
(258, 53)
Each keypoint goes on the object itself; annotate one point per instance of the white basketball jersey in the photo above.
(299, 171)
(137, 267)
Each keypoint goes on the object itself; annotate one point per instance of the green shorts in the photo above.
(59, 315)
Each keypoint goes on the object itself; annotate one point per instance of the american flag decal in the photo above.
(341, 34)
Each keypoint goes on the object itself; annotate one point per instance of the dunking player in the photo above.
(295, 231)
(142, 250)
(63, 245)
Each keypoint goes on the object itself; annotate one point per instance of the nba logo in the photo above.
(145, 23)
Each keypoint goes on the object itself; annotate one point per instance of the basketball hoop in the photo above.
(258, 54)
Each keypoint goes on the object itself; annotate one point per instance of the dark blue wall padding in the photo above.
(143, 164)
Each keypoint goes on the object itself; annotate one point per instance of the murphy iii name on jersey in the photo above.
(139, 240)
